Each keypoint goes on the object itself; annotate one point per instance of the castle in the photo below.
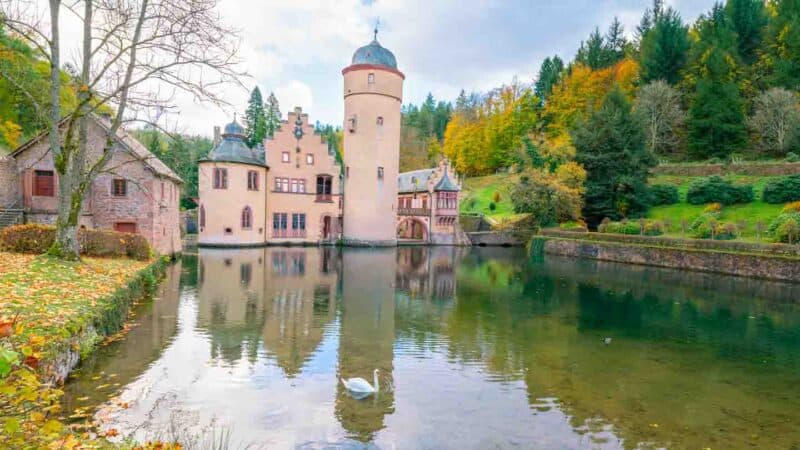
(291, 190)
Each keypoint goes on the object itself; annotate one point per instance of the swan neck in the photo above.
(375, 380)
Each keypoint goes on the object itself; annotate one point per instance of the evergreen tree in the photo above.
(592, 53)
(255, 120)
(782, 53)
(716, 124)
(749, 19)
(664, 44)
(616, 45)
(549, 75)
(272, 115)
(610, 145)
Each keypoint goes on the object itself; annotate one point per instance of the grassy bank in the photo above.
(53, 312)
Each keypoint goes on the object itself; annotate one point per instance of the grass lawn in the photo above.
(744, 216)
(478, 192)
(45, 305)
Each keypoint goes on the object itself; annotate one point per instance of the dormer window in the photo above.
(371, 78)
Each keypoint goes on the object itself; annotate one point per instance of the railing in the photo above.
(288, 233)
(414, 212)
(324, 198)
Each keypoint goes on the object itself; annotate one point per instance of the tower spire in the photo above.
(377, 23)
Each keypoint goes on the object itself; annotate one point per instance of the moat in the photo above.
(478, 348)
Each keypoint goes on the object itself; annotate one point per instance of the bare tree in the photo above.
(659, 106)
(776, 121)
(136, 56)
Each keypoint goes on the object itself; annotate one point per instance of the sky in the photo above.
(297, 48)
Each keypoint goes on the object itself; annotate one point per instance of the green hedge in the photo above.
(718, 190)
(35, 238)
(782, 190)
(663, 194)
(644, 227)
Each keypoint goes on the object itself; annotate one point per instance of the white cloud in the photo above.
(295, 93)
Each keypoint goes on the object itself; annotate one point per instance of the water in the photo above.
(477, 348)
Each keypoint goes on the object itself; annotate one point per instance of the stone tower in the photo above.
(373, 95)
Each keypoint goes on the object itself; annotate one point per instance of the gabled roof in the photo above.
(128, 142)
(445, 185)
(414, 181)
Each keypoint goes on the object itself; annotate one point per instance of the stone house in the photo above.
(427, 206)
(135, 193)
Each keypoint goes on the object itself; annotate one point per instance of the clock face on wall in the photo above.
(298, 129)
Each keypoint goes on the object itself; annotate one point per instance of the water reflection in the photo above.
(478, 348)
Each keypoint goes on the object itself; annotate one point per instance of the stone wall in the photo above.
(757, 266)
(489, 238)
(704, 170)
(9, 183)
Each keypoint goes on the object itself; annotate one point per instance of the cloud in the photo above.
(295, 93)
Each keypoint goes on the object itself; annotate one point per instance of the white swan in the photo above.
(361, 386)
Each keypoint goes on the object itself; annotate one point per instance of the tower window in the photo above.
(380, 173)
(379, 122)
(220, 178)
(285, 157)
(247, 218)
(371, 78)
(252, 180)
(310, 159)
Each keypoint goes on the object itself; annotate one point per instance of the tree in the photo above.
(272, 115)
(776, 121)
(549, 74)
(610, 145)
(592, 52)
(659, 109)
(127, 49)
(255, 119)
(782, 53)
(716, 124)
(664, 44)
(749, 19)
(545, 197)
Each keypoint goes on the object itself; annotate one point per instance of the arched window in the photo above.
(202, 217)
(247, 218)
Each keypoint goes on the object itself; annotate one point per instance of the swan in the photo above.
(361, 386)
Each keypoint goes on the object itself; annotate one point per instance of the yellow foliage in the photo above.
(10, 133)
(791, 207)
(572, 175)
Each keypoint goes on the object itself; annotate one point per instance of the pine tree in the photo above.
(592, 52)
(610, 145)
(749, 19)
(664, 45)
(549, 75)
(272, 115)
(615, 43)
(782, 53)
(255, 121)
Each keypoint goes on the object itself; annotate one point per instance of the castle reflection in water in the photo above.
(284, 301)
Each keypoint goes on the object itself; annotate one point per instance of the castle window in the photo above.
(247, 218)
(202, 217)
(380, 173)
(252, 180)
(298, 221)
(371, 78)
(379, 122)
(220, 178)
(44, 183)
(279, 224)
(310, 159)
(324, 188)
(119, 187)
(446, 200)
(285, 157)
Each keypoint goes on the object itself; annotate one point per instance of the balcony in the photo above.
(324, 198)
(284, 234)
(413, 212)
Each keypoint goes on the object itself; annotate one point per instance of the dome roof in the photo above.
(375, 54)
(232, 148)
(234, 128)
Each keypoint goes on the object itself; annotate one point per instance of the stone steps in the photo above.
(9, 217)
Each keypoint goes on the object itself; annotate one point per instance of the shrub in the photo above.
(496, 197)
(576, 226)
(708, 226)
(492, 206)
(646, 227)
(35, 238)
(782, 189)
(785, 228)
(715, 189)
(791, 207)
(664, 194)
(713, 208)
(792, 157)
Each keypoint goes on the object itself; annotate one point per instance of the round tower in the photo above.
(373, 95)
(232, 189)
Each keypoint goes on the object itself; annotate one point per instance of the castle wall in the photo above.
(10, 195)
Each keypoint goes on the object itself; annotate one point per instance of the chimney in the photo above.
(217, 138)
